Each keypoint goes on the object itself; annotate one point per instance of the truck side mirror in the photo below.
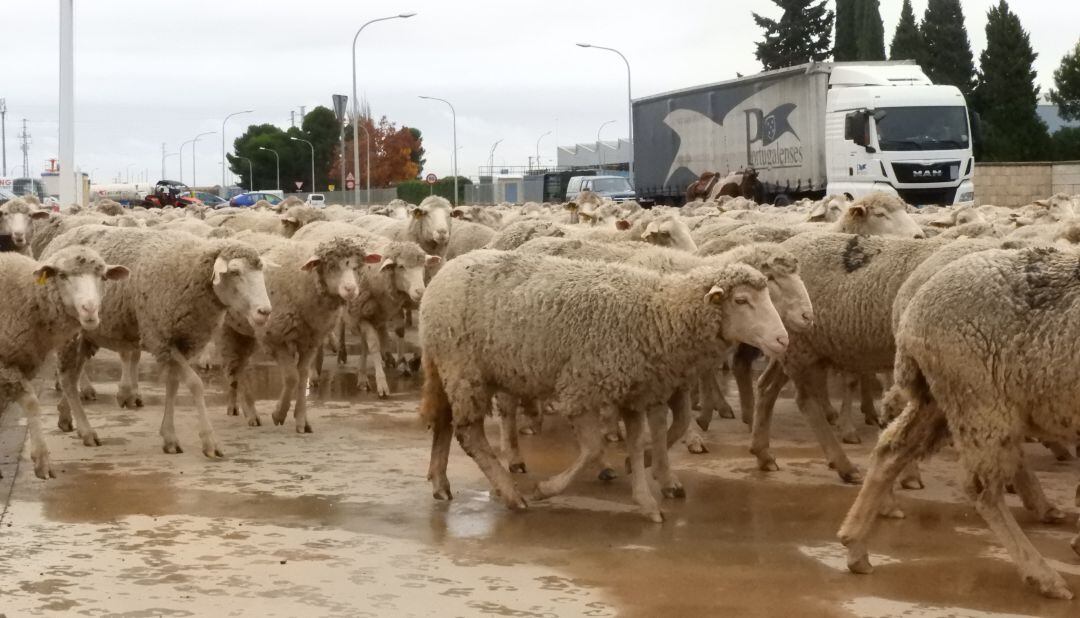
(857, 128)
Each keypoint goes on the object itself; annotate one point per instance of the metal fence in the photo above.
(378, 196)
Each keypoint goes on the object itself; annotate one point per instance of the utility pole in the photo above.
(162, 160)
(25, 147)
(292, 118)
(302, 116)
(3, 131)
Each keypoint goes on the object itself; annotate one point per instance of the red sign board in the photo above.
(350, 184)
(431, 179)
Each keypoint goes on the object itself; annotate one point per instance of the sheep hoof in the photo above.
(88, 394)
(255, 421)
(442, 494)
(725, 412)
(913, 482)
(654, 516)
(852, 476)
(279, 419)
(703, 421)
(527, 431)
(613, 436)
(860, 564)
(42, 469)
(607, 474)
(515, 502)
(305, 429)
(231, 411)
(91, 439)
(831, 416)
(138, 402)
(517, 468)
(893, 512)
(697, 448)
(65, 425)
(1009, 489)
(675, 491)
(1075, 544)
(1053, 515)
(384, 394)
(1051, 585)
(172, 448)
(851, 438)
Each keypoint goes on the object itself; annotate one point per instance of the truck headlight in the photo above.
(967, 196)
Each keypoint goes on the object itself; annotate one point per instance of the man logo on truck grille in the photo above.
(766, 129)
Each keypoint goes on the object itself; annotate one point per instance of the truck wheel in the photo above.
(782, 199)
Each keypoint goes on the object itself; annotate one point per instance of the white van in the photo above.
(316, 200)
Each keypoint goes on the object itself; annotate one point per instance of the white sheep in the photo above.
(428, 225)
(179, 289)
(43, 305)
(17, 221)
(625, 340)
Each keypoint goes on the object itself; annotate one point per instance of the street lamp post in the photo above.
(538, 148)
(453, 114)
(251, 171)
(181, 159)
(277, 165)
(127, 172)
(297, 139)
(193, 143)
(356, 113)
(599, 145)
(629, 104)
(246, 111)
(491, 159)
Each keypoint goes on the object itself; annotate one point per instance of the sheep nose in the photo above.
(808, 317)
(88, 307)
(920, 235)
(263, 311)
(349, 290)
(782, 340)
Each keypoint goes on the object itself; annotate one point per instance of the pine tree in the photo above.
(846, 30)
(1006, 94)
(948, 58)
(870, 33)
(1066, 93)
(907, 41)
(802, 34)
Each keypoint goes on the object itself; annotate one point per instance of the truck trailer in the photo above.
(820, 128)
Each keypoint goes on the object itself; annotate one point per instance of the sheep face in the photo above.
(669, 232)
(239, 285)
(338, 269)
(433, 222)
(78, 275)
(879, 214)
(16, 220)
(750, 317)
(828, 210)
(788, 294)
(407, 273)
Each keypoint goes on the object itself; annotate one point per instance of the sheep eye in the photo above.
(879, 214)
(741, 301)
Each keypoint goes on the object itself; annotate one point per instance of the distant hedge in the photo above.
(414, 191)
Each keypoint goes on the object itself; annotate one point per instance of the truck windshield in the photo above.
(922, 128)
(610, 185)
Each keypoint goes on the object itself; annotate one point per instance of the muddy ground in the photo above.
(341, 522)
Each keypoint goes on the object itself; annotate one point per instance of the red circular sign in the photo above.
(431, 179)
(349, 184)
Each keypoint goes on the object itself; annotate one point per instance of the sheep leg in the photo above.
(39, 451)
(342, 348)
(635, 445)
(289, 379)
(695, 441)
(990, 503)
(374, 355)
(182, 367)
(87, 392)
(236, 350)
(869, 386)
(127, 395)
(530, 409)
(917, 432)
(362, 370)
(507, 407)
(317, 365)
(1031, 494)
(441, 433)
(590, 436)
(168, 427)
(845, 424)
(72, 359)
(742, 370)
(769, 385)
(303, 370)
(1060, 451)
(680, 415)
(811, 391)
(474, 442)
(670, 487)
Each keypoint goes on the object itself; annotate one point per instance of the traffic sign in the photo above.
(431, 179)
(299, 184)
(350, 184)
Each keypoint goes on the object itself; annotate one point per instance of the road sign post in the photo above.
(431, 179)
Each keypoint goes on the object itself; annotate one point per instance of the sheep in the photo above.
(626, 339)
(518, 233)
(17, 220)
(197, 228)
(468, 237)
(46, 229)
(878, 214)
(478, 214)
(308, 284)
(285, 224)
(983, 353)
(669, 231)
(177, 295)
(44, 304)
(108, 207)
(428, 225)
(830, 209)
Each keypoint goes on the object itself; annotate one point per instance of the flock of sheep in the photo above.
(616, 317)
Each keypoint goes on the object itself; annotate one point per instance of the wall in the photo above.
(1017, 184)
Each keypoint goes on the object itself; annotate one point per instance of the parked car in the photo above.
(209, 199)
(316, 200)
(615, 187)
(249, 199)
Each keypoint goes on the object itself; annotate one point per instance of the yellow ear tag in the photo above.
(42, 278)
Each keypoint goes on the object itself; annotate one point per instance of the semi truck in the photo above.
(820, 128)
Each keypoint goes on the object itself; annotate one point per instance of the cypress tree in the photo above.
(907, 41)
(802, 34)
(846, 29)
(1066, 92)
(948, 58)
(1006, 94)
(870, 33)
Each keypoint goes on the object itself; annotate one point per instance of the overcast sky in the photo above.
(158, 72)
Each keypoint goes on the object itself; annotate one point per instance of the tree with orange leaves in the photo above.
(396, 154)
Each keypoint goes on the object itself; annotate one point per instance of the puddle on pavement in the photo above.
(733, 547)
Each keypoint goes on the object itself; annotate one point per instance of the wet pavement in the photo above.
(341, 523)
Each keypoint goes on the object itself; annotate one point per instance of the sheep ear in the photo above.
(622, 224)
(116, 273)
(571, 206)
(432, 260)
(220, 268)
(311, 263)
(417, 213)
(818, 212)
(715, 295)
(268, 264)
(289, 219)
(372, 258)
(44, 273)
(387, 264)
(457, 213)
(39, 214)
(857, 211)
